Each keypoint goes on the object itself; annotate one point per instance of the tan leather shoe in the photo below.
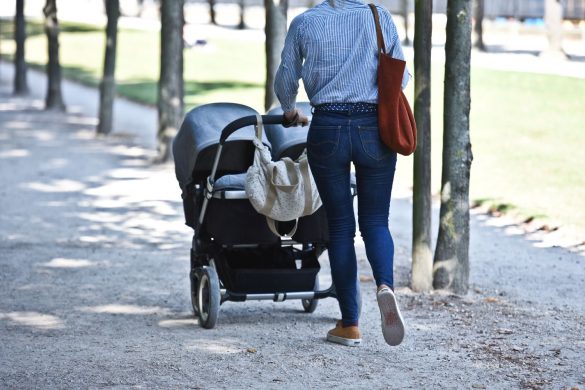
(349, 335)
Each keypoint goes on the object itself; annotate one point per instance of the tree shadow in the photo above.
(145, 91)
(34, 28)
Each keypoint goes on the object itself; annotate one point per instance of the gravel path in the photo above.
(94, 289)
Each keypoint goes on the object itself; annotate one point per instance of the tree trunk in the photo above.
(170, 87)
(20, 84)
(479, 13)
(54, 99)
(406, 41)
(212, 11)
(275, 34)
(108, 84)
(422, 253)
(451, 266)
(242, 24)
(553, 15)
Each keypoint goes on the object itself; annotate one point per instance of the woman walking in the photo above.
(333, 48)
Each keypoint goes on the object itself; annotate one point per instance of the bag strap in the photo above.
(304, 167)
(272, 225)
(379, 35)
(259, 127)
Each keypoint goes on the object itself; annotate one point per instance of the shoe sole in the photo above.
(392, 321)
(343, 341)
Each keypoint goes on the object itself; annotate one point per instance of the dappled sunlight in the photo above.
(55, 163)
(187, 321)
(538, 234)
(43, 135)
(57, 203)
(84, 134)
(81, 120)
(60, 262)
(98, 239)
(128, 151)
(16, 125)
(156, 187)
(222, 346)
(127, 173)
(15, 153)
(125, 309)
(33, 319)
(62, 185)
(102, 217)
(10, 106)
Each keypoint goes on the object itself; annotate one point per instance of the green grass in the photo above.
(527, 130)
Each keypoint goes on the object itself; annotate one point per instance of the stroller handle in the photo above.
(248, 121)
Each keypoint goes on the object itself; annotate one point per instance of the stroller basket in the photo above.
(267, 270)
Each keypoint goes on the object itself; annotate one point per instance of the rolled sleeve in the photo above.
(286, 82)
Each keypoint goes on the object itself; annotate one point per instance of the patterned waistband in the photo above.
(347, 107)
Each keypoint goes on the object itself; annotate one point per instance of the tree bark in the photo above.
(451, 265)
(170, 87)
(212, 11)
(20, 83)
(242, 5)
(275, 34)
(54, 99)
(108, 84)
(479, 13)
(422, 253)
(553, 15)
(406, 41)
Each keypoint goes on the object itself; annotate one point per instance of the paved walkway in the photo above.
(94, 291)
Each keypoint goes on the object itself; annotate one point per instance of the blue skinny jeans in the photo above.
(335, 140)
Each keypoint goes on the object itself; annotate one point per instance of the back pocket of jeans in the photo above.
(322, 141)
(371, 143)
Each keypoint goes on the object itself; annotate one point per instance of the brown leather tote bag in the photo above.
(395, 120)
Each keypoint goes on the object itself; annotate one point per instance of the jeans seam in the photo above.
(366, 150)
(350, 143)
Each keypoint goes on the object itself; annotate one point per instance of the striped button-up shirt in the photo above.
(333, 48)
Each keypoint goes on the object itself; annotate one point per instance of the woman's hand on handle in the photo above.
(295, 118)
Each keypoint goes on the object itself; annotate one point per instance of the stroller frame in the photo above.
(207, 291)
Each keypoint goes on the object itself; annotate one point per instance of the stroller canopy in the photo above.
(195, 145)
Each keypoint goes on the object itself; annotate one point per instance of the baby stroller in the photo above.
(234, 255)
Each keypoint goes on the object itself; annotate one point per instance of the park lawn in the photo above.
(527, 130)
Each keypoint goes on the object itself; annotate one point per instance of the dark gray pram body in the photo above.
(234, 255)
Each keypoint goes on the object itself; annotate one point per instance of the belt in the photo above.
(347, 107)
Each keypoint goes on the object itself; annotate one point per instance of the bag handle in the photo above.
(379, 35)
(290, 170)
(259, 127)
(272, 225)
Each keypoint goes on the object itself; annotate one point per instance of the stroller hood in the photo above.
(195, 144)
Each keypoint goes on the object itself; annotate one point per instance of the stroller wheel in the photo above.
(208, 297)
(311, 304)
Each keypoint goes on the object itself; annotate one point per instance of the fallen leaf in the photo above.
(251, 350)
(504, 331)
(366, 278)
(491, 299)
